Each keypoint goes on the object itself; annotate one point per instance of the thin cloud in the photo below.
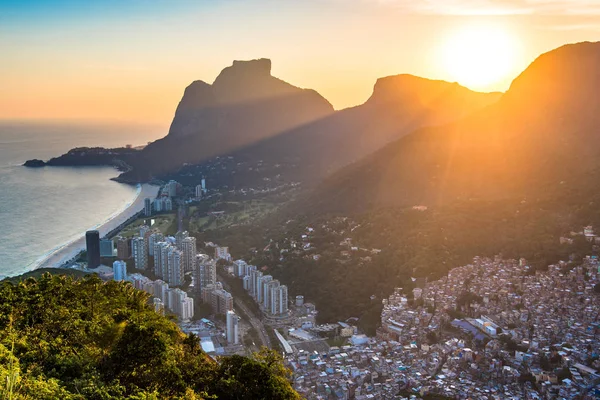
(498, 7)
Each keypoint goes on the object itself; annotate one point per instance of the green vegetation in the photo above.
(38, 273)
(164, 223)
(235, 213)
(62, 338)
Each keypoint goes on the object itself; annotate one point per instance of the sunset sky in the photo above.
(131, 60)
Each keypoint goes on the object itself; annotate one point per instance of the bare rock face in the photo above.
(243, 88)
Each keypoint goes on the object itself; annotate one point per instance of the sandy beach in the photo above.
(70, 250)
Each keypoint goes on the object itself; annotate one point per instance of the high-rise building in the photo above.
(256, 277)
(92, 245)
(106, 248)
(220, 300)
(167, 204)
(173, 187)
(205, 272)
(144, 229)
(222, 253)
(157, 204)
(154, 238)
(246, 283)
(188, 247)
(199, 191)
(179, 236)
(203, 184)
(147, 207)
(175, 267)
(159, 306)
(268, 296)
(123, 248)
(279, 300)
(265, 291)
(161, 265)
(161, 289)
(138, 250)
(180, 304)
(232, 328)
(119, 270)
(261, 282)
(239, 268)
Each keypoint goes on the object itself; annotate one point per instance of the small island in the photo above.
(35, 163)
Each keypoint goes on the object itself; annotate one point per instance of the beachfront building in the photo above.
(188, 247)
(119, 270)
(147, 207)
(107, 248)
(92, 246)
(138, 249)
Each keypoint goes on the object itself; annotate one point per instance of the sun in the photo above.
(480, 57)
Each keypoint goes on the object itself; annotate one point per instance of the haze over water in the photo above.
(43, 208)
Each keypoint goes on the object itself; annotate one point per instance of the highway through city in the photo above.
(253, 320)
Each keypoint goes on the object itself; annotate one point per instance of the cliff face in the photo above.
(244, 105)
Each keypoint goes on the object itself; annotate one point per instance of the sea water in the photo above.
(44, 208)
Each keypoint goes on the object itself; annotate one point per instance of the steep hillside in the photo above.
(85, 339)
(542, 132)
(511, 179)
(399, 104)
(245, 104)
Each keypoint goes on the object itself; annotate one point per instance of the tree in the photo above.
(80, 339)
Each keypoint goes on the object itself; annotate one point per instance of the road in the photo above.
(253, 320)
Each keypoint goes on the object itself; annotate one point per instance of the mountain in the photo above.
(510, 179)
(542, 131)
(398, 105)
(245, 104)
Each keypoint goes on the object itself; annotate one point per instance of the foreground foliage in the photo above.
(86, 339)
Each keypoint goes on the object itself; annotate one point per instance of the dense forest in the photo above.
(65, 338)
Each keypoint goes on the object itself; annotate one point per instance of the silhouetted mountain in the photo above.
(399, 104)
(542, 132)
(245, 104)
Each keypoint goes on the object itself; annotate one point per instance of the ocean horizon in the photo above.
(44, 209)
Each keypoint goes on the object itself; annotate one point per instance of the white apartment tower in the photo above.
(205, 272)
(232, 328)
(279, 300)
(175, 267)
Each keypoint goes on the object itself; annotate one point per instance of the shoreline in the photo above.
(58, 256)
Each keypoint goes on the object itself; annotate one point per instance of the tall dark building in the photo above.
(92, 244)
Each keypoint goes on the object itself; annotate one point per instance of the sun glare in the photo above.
(480, 57)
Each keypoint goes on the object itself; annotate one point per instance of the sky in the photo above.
(130, 60)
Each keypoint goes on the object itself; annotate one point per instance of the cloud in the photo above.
(498, 7)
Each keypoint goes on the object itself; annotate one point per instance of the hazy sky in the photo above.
(132, 59)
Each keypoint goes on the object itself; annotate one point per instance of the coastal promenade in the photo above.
(70, 250)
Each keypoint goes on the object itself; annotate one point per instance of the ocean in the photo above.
(44, 208)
